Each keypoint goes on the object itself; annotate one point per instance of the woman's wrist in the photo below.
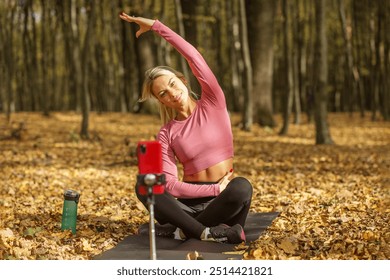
(151, 27)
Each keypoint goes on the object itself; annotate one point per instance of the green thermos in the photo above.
(69, 212)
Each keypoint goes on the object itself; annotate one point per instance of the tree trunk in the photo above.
(261, 25)
(248, 94)
(30, 101)
(85, 94)
(44, 61)
(350, 81)
(321, 74)
(54, 77)
(145, 60)
(386, 60)
(128, 75)
(309, 54)
(72, 77)
(356, 10)
(225, 21)
(379, 60)
(297, 59)
(288, 78)
(3, 68)
(235, 55)
(189, 8)
(179, 17)
(8, 64)
(375, 52)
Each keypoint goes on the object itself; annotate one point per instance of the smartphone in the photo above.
(150, 162)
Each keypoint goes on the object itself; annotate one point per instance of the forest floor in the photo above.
(333, 199)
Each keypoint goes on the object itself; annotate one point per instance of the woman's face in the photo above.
(171, 91)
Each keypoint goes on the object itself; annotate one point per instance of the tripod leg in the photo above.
(152, 231)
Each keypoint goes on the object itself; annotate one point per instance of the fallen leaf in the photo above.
(288, 245)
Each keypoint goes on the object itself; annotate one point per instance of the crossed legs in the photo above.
(230, 207)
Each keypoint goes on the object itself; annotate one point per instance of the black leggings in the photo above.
(192, 216)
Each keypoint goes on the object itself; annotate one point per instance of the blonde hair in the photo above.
(167, 114)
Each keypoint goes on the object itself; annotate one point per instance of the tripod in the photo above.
(154, 184)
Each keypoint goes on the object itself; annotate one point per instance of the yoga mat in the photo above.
(136, 247)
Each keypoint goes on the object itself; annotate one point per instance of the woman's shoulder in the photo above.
(165, 129)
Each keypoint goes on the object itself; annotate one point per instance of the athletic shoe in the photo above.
(226, 234)
(166, 230)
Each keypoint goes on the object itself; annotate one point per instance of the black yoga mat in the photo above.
(136, 247)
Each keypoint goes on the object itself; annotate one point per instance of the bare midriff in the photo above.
(212, 174)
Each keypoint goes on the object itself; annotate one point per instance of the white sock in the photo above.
(178, 234)
(205, 234)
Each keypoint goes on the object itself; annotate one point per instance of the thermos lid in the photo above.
(72, 195)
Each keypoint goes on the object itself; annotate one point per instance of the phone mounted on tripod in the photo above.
(150, 177)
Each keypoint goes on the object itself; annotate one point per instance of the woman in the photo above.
(206, 204)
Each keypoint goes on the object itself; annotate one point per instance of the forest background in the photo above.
(283, 65)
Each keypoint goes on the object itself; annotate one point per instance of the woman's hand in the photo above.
(225, 181)
(145, 24)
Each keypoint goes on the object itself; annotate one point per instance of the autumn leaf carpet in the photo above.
(136, 247)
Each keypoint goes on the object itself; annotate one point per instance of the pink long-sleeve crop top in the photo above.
(205, 137)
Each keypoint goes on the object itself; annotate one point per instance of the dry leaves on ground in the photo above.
(334, 200)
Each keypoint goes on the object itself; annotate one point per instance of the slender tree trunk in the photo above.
(321, 73)
(248, 95)
(112, 82)
(351, 87)
(375, 66)
(288, 78)
(34, 61)
(179, 17)
(72, 78)
(189, 8)
(145, 59)
(261, 26)
(309, 89)
(358, 49)
(129, 73)
(8, 64)
(29, 58)
(44, 85)
(296, 60)
(235, 54)
(3, 68)
(225, 35)
(386, 60)
(85, 95)
(53, 81)
(380, 58)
